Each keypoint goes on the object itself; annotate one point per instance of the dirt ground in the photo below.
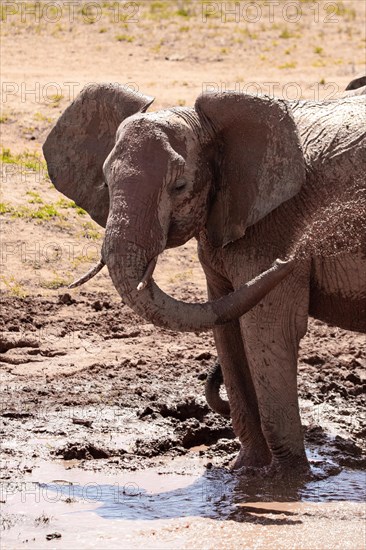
(87, 384)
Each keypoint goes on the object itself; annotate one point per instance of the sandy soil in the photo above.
(83, 378)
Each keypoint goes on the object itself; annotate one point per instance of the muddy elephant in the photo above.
(243, 175)
(357, 86)
(357, 83)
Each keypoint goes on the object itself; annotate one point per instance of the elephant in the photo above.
(246, 176)
(357, 83)
(356, 91)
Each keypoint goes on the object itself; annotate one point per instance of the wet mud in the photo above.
(94, 382)
(90, 390)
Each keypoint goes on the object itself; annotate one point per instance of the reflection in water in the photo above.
(216, 494)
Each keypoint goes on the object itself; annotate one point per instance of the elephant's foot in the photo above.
(251, 458)
(294, 468)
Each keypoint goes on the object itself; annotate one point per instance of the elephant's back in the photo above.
(333, 137)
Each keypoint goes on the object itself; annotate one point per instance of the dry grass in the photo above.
(171, 49)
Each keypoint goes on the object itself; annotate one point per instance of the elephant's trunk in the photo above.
(127, 263)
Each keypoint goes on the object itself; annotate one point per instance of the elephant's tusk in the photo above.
(89, 275)
(148, 274)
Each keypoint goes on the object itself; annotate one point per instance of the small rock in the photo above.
(174, 57)
(97, 306)
(82, 422)
(55, 535)
(66, 299)
(205, 355)
(146, 412)
(354, 378)
(11, 341)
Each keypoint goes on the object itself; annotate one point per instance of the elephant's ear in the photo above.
(81, 140)
(260, 160)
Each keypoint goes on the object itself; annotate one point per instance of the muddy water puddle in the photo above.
(184, 487)
(215, 493)
(156, 507)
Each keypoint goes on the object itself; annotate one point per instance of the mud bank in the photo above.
(95, 397)
(84, 378)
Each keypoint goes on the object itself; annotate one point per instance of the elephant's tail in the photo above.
(212, 391)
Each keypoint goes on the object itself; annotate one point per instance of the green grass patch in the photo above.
(14, 287)
(157, 47)
(27, 130)
(286, 34)
(90, 231)
(339, 9)
(26, 159)
(124, 38)
(248, 33)
(161, 10)
(182, 12)
(40, 117)
(289, 65)
(65, 203)
(81, 259)
(43, 212)
(56, 282)
(158, 6)
(182, 276)
(35, 198)
(319, 63)
(54, 100)
(5, 208)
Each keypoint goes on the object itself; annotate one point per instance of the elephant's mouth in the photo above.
(131, 266)
(177, 235)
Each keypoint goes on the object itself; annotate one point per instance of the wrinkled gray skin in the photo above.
(353, 92)
(240, 173)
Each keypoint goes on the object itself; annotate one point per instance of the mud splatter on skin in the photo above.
(338, 227)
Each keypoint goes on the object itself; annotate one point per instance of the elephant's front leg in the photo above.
(272, 332)
(239, 386)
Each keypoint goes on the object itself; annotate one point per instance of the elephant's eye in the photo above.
(180, 185)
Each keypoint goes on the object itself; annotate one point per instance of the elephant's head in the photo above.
(170, 175)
